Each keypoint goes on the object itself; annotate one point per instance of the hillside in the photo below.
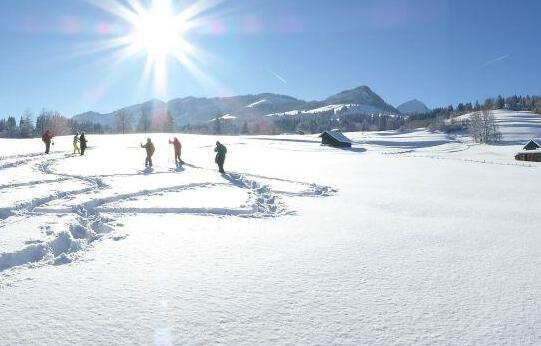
(193, 110)
(516, 127)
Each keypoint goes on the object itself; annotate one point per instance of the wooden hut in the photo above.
(533, 144)
(529, 155)
(335, 139)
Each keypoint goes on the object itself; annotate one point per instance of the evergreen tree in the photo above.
(26, 125)
(217, 126)
(500, 102)
(11, 127)
(244, 129)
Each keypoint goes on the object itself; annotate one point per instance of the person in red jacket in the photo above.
(178, 148)
(47, 138)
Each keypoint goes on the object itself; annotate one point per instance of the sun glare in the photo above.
(158, 32)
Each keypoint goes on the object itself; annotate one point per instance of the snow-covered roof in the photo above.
(535, 140)
(337, 136)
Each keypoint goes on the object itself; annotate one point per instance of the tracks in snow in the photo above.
(88, 223)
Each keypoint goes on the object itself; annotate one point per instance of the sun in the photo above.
(158, 32)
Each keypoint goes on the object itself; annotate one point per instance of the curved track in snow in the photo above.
(94, 218)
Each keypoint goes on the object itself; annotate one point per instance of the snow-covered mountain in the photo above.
(413, 107)
(194, 110)
(362, 96)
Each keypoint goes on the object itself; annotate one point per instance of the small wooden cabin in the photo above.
(335, 139)
(533, 144)
(529, 155)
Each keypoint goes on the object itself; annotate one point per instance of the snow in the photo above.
(262, 101)
(342, 109)
(347, 108)
(227, 117)
(411, 237)
(516, 127)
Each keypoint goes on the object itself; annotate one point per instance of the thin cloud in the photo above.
(280, 78)
(497, 60)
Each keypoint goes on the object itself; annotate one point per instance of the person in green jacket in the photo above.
(149, 147)
(220, 150)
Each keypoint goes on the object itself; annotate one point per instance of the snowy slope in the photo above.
(409, 237)
(338, 109)
(227, 117)
(516, 127)
(346, 109)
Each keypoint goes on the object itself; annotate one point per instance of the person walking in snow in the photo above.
(47, 138)
(149, 147)
(178, 148)
(83, 141)
(76, 149)
(220, 150)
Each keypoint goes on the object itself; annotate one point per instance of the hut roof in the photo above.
(536, 141)
(533, 143)
(338, 136)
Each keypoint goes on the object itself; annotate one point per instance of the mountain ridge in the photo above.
(197, 110)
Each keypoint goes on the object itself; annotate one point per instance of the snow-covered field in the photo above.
(407, 238)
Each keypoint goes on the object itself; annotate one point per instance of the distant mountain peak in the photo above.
(362, 95)
(413, 107)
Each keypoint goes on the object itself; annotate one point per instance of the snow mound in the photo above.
(61, 249)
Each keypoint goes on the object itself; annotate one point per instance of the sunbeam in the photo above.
(158, 31)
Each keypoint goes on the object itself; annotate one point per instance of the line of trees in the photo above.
(435, 117)
(27, 127)
(152, 119)
(316, 123)
(305, 123)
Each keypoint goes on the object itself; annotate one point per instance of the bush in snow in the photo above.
(483, 128)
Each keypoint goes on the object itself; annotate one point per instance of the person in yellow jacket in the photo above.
(76, 149)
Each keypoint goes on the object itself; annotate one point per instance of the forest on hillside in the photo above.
(28, 125)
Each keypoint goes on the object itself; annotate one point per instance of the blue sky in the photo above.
(439, 51)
